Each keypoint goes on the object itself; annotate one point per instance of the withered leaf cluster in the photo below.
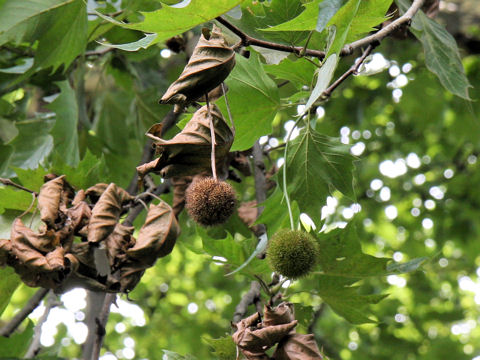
(189, 152)
(254, 336)
(210, 63)
(76, 227)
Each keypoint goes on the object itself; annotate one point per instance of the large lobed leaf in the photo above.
(64, 132)
(253, 99)
(316, 165)
(345, 300)
(341, 255)
(174, 20)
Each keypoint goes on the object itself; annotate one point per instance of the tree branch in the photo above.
(348, 49)
(34, 347)
(249, 298)
(8, 182)
(352, 71)
(31, 305)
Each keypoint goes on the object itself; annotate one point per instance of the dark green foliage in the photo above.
(292, 253)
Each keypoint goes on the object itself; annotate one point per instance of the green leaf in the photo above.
(170, 355)
(317, 164)
(9, 281)
(143, 43)
(305, 21)
(64, 132)
(25, 65)
(17, 344)
(327, 9)
(16, 16)
(14, 199)
(324, 77)
(370, 14)
(31, 179)
(65, 38)
(253, 99)
(409, 266)
(345, 300)
(235, 252)
(8, 130)
(171, 20)
(441, 52)
(257, 16)
(342, 21)
(224, 347)
(341, 254)
(89, 171)
(275, 215)
(300, 72)
(261, 246)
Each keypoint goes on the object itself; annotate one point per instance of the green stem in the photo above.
(285, 191)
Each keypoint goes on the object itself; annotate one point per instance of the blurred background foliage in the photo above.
(84, 111)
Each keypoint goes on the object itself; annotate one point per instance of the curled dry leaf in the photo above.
(5, 249)
(79, 196)
(188, 153)
(117, 244)
(106, 212)
(49, 200)
(44, 242)
(210, 64)
(157, 236)
(298, 347)
(94, 192)
(281, 314)
(278, 326)
(254, 339)
(180, 185)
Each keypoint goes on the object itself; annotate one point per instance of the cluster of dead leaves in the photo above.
(254, 336)
(106, 258)
(189, 152)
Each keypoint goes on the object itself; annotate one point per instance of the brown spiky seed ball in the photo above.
(210, 202)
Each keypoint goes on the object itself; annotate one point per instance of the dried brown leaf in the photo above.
(188, 153)
(106, 213)
(49, 199)
(180, 185)
(5, 250)
(94, 192)
(281, 314)
(210, 64)
(157, 236)
(118, 242)
(298, 347)
(79, 215)
(247, 212)
(44, 242)
(79, 196)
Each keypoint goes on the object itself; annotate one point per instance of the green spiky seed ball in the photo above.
(292, 253)
(210, 202)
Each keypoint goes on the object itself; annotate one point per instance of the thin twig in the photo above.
(101, 322)
(352, 71)
(348, 49)
(8, 182)
(35, 347)
(31, 305)
(249, 298)
(260, 185)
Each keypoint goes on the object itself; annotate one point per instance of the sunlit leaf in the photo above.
(253, 99)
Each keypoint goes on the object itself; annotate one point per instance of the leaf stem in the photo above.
(285, 191)
(212, 135)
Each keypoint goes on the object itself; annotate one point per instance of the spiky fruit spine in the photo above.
(292, 253)
(210, 202)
